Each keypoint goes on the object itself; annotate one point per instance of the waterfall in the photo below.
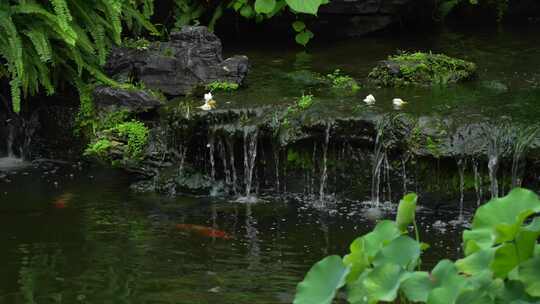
(324, 173)
(223, 155)
(523, 140)
(276, 150)
(493, 165)
(10, 139)
(211, 150)
(250, 155)
(230, 146)
(404, 174)
(379, 157)
(461, 163)
(477, 182)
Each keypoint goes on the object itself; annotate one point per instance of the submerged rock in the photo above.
(193, 57)
(423, 69)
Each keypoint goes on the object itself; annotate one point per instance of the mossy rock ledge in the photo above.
(421, 69)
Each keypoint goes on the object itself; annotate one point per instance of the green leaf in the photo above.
(247, 11)
(529, 275)
(448, 283)
(506, 258)
(298, 26)
(384, 233)
(304, 37)
(305, 6)
(406, 211)
(380, 284)
(417, 286)
(476, 262)
(322, 281)
(264, 6)
(500, 220)
(402, 251)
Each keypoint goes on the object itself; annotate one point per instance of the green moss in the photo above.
(138, 44)
(136, 134)
(222, 86)
(342, 81)
(421, 69)
(305, 102)
(99, 148)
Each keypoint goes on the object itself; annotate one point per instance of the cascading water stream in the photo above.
(230, 146)
(493, 165)
(462, 164)
(324, 173)
(379, 157)
(477, 182)
(9, 141)
(251, 135)
(523, 140)
(211, 150)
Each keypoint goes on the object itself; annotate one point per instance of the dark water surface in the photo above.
(71, 236)
(508, 82)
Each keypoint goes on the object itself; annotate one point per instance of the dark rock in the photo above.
(192, 57)
(354, 18)
(133, 101)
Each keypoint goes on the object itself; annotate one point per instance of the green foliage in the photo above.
(501, 263)
(342, 81)
(114, 133)
(222, 86)
(193, 12)
(100, 148)
(421, 69)
(44, 43)
(305, 102)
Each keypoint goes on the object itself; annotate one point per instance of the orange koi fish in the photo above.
(62, 201)
(204, 231)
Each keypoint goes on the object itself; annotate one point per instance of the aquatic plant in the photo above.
(502, 258)
(222, 86)
(421, 69)
(342, 81)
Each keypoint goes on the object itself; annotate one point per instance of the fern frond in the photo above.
(40, 40)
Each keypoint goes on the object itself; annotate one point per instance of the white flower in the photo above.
(208, 96)
(370, 99)
(398, 102)
(206, 107)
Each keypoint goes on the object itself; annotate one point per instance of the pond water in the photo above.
(508, 82)
(71, 234)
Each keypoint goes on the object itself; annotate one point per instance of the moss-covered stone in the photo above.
(421, 69)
